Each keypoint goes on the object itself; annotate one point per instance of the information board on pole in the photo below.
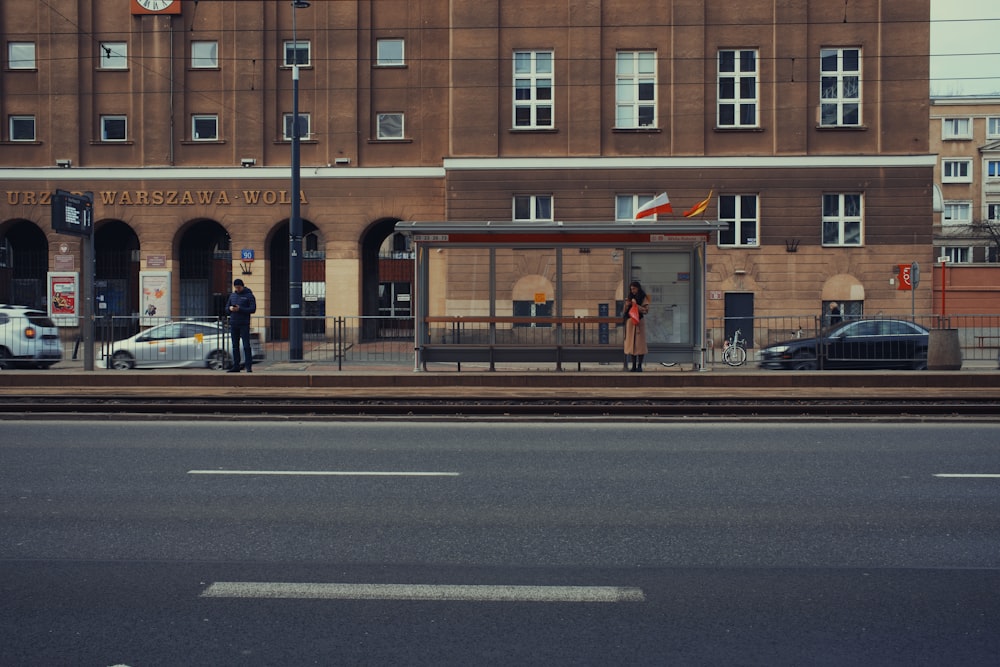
(73, 213)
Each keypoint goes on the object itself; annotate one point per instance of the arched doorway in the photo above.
(313, 282)
(24, 261)
(206, 269)
(116, 278)
(386, 282)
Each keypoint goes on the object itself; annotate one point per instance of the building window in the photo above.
(297, 53)
(842, 220)
(205, 127)
(740, 211)
(993, 213)
(389, 53)
(957, 254)
(532, 89)
(21, 55)
(114, 55)
(993, 128)
(532, 207)
(840, 87)
(993, 169)
(305, 126)
(390, 126)
(956, 171)
(113, 128)
(957, 213)
(635, 89)
(205, 55)
(22, 128)
(956, 128)
(737, 77)
(627, 205)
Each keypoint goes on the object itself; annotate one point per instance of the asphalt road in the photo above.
(232, 543)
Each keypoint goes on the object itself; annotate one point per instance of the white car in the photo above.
(184, 344)
(28, 338)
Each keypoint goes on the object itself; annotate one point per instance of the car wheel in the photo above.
(4, 358)
(805, 363)
(122, 361)
(219, 361)
(920, 360)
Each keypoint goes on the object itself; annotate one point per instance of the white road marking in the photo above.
(460, 593)
(326, 473)
(971, 474)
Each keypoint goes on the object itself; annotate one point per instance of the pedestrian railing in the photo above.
(352, 341)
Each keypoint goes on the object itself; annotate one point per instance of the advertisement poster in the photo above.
(64, 298)
(154, 297)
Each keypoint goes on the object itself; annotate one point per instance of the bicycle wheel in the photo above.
(734, 355)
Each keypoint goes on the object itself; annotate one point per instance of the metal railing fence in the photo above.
(345, 341)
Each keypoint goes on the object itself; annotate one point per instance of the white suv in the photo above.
(28, 338)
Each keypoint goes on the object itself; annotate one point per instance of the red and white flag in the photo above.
(659, 204)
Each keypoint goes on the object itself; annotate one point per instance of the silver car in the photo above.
(28, 338)
(184, 344)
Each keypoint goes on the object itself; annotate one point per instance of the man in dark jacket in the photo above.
(241, 306)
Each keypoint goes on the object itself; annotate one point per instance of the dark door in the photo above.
(739, 315)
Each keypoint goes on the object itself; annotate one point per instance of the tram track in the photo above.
(83, 407)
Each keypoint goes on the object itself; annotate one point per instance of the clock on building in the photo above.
(156, 6)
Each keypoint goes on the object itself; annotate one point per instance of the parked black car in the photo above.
(865, 344)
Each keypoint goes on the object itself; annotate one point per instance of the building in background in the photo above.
(965, 134)
(808, 123)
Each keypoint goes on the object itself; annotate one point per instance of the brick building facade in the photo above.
(807, 121)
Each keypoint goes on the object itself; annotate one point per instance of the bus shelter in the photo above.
(512, 292)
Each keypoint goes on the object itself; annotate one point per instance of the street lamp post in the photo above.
(295, 222)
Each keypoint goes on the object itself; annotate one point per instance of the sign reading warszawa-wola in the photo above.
(165, 197)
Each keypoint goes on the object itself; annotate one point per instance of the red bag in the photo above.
(633, 313)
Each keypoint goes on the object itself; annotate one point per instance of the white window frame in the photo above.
(205, 54)
(956, 171)
(839, 87)
(741, 104)
(533, 90)
(286, 126)
(536, 205)
(993, 127)
(993, 213)
(22, 122)
(953, 129)
(957, 213)
(956, 254)
(842, 215)
(295, 48)
(991, 170)
(113, 55)
(22, 56)
(390, 52)
(742, 212)
(390, 126)
(106, 120)
(635, 90)
(202, 119)
(627, 205)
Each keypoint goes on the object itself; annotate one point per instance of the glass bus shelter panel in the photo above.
(458, 285)
(526, 285)
(667, 278)
(592, 287)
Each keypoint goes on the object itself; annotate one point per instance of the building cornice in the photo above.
(224, 173)
(720, 162)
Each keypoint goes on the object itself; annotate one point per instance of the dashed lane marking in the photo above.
(424, 592)
(327, 473)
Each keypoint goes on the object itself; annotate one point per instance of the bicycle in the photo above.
(733, 352)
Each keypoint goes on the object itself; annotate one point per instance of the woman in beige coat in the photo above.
(635, 333)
